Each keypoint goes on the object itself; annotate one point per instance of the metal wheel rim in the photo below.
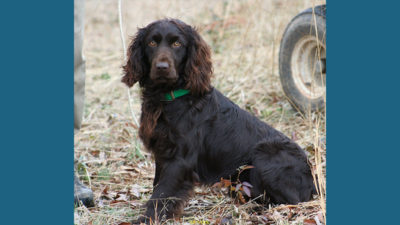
(308, 65)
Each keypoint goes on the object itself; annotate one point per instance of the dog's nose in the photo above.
(162, 65)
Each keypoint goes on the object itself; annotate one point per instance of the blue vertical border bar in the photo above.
(363, 78)
(36, 115)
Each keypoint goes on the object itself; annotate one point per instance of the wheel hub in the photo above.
(308, 66)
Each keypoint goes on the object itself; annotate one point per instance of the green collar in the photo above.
(175, 94)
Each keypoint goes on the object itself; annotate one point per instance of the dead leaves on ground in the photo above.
(306, 213)
(135, 192)
(237, 188)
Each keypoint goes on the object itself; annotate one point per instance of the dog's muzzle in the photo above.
(163, 68)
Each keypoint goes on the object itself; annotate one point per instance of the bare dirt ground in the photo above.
(244, 37)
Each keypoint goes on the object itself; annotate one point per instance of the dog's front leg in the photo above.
(158, 171)
(174, 187)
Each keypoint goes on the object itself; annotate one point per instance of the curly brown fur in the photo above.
(203, 136)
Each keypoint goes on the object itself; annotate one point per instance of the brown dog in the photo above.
(198, 135)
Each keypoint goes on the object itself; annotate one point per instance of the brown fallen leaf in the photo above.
(223, 183)
(105, 191)
(309, 222)
(107, 194)
(124, 223)
(95, 153)
(241, 198)
(113, 202)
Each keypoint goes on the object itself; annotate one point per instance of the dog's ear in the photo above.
(198, 68)
(135, 69)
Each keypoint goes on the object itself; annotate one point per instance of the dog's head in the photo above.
(169, 53)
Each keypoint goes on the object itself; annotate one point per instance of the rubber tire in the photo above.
(299, 26)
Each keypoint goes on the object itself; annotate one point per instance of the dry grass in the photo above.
(245, 37)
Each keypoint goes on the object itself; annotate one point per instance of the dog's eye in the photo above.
(176, 44)
(152, 44)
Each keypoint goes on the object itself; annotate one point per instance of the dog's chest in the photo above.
(173, 128)
(163, 138)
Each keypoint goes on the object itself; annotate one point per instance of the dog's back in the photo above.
(233, 138)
